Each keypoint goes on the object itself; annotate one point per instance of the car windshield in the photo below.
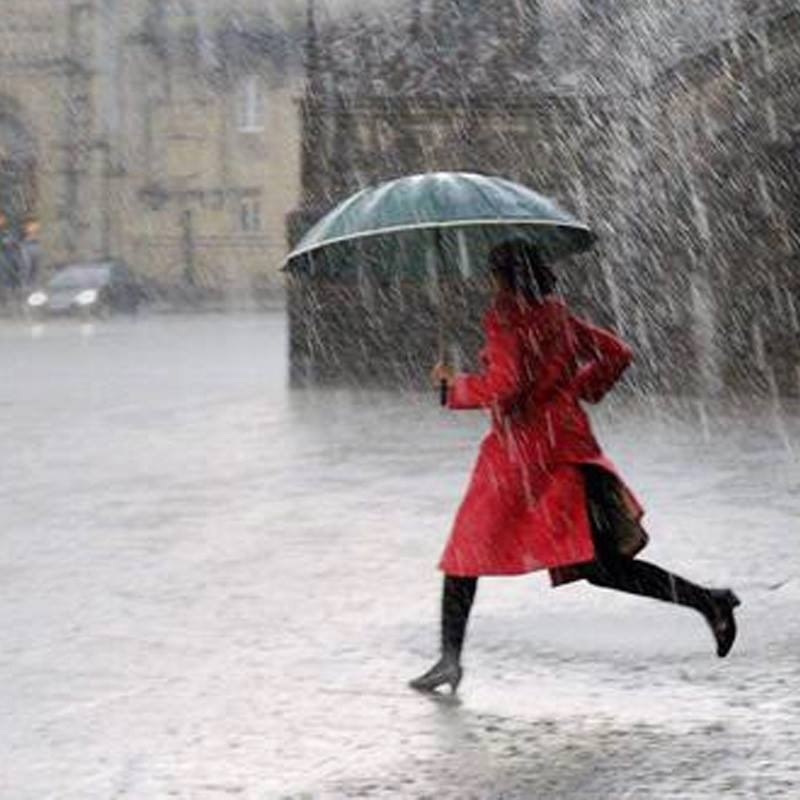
(81, 278)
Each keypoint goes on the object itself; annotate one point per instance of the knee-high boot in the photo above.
(458, 595)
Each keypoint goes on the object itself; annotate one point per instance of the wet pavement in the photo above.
(216, 587)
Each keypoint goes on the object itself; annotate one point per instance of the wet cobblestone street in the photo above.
(213, 586)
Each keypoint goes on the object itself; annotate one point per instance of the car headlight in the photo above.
(86, 297)
(37, 299)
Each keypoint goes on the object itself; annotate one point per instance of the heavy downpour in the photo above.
(399, 399)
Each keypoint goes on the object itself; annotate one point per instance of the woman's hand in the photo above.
(443, 372)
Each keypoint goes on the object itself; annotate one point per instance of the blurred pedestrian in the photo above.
(30, 250)
(542, 494)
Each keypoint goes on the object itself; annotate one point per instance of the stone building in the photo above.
(160, 132)
(715, 136)
(671, 129)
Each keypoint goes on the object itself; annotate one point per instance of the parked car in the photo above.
(89, 289)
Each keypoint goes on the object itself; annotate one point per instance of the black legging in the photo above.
(623, 574)
(610, 569)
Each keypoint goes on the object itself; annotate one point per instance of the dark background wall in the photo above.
(689, 175)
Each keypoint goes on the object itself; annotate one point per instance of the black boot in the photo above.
(636, 576)
(445, 670)
(458, 595)
(721, 620)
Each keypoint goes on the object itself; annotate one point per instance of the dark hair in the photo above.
(522, 267)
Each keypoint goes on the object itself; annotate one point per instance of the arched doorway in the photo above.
(18, 184)
(19, 246)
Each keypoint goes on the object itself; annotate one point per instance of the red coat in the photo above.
(525, 508)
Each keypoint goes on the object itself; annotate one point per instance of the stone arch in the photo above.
(18, 164)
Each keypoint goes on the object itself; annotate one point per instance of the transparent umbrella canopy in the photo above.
(432, 227)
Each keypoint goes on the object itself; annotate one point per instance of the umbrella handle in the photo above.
(439, 249)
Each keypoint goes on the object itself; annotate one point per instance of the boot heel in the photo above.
(443, 672)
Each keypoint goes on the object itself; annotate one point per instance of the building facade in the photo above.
(159, 132)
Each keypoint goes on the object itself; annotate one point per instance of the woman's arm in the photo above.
(605, 358)
(498, 386)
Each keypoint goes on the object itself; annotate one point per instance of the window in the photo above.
(250, 215)
(249, 105)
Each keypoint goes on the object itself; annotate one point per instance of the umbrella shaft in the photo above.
(442, 300)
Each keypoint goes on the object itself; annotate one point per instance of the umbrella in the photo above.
(386, 225)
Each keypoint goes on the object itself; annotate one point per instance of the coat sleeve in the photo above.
(603, 356)
(499, 385)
